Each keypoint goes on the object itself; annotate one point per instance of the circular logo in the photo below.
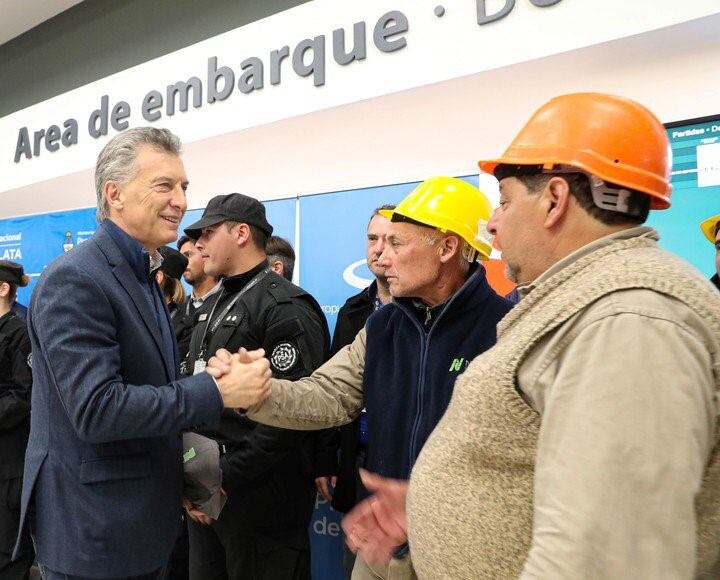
(29, 360)
(352, 278)
(284, 356)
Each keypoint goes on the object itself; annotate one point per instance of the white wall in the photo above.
(438, 128)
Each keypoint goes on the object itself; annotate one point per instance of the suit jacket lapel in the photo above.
(170, 365)
(126, 277)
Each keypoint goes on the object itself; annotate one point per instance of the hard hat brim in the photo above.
(657, 200)
(708, 228)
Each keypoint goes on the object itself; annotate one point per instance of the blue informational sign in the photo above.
(34, 241)
(696, 191)
(281, 216)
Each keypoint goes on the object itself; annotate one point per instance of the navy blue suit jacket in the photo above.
(103, 470)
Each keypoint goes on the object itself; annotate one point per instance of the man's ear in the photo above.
(113, 195)
(449, 247)
(277, 267)
(242, 233)
(557, 201)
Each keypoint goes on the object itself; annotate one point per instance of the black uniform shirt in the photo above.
(289, 324)
(273, 314)
(15, 385)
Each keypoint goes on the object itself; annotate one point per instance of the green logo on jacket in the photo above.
(457, 365)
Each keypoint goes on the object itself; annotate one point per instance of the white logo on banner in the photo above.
(10, 246)
(352, 278)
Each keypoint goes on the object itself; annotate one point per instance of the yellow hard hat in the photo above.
(709, 226)
(450, 205)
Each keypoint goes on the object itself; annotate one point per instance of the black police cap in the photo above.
(174, 263)
(234, 207)
(12, 272)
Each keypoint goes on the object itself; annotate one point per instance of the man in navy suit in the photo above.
(103, 471)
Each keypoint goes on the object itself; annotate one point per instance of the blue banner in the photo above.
(34, 241)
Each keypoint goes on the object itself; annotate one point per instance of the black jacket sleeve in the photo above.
(15, 378)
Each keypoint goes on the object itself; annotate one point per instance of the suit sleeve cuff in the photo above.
(204, 404)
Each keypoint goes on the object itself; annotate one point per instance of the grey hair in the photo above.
(116, 161)
(464, 249)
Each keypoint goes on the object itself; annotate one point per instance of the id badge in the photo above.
(199, 367)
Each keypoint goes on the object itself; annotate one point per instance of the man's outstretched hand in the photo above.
(243, 378)
(377, 525)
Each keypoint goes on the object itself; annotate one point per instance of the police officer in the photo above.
(15, 384)
(266, 472)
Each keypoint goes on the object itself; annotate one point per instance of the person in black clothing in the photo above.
(203, 287)
(15, 385)
(168, 278)
(281, 256)
(20, 310)
(262, 532)
(337, 476)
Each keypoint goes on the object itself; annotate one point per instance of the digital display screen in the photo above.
(695, 145)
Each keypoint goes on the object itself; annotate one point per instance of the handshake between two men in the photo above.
(377, 525)
(243, 378)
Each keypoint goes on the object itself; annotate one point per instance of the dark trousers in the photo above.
(177, 568)
(10, 490)
(220, 553)
(48, 574)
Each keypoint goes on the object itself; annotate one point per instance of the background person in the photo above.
(203, 288)
(281, 256)
(15, 385)
(168, 278)
(711, 229)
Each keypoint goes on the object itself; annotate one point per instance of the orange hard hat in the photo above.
(613, 138)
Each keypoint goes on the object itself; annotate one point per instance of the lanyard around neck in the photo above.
(226, 310)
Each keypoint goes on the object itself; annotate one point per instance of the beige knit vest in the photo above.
(471, 492)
